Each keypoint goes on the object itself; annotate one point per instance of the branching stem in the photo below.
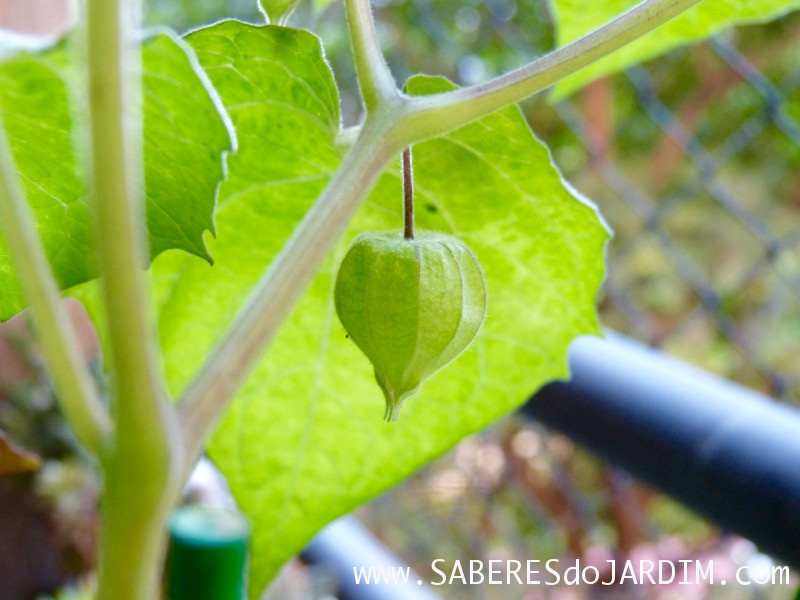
(438, 113)
(145, 456)
(394, 122)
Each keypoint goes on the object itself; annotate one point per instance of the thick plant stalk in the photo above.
(139, 474)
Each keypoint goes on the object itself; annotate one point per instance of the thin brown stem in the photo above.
(408, 194)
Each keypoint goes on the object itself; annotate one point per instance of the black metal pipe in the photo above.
(723, 450)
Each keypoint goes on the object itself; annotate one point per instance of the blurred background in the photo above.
(693, 158)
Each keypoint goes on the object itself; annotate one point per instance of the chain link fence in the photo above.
(706, 262)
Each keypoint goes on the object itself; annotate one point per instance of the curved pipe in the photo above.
(345, 546)
(723, 450)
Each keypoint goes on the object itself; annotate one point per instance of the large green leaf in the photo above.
(304, 441)
(184, 137)
(575, 18)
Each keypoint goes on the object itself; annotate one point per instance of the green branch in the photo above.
(76, 392)
(378, 87)
(281, 287)
(394, 122)
(438, 113)
(139, 474)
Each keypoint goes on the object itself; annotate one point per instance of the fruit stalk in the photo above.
(408, 195)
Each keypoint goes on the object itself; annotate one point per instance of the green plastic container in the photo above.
(207, 554)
